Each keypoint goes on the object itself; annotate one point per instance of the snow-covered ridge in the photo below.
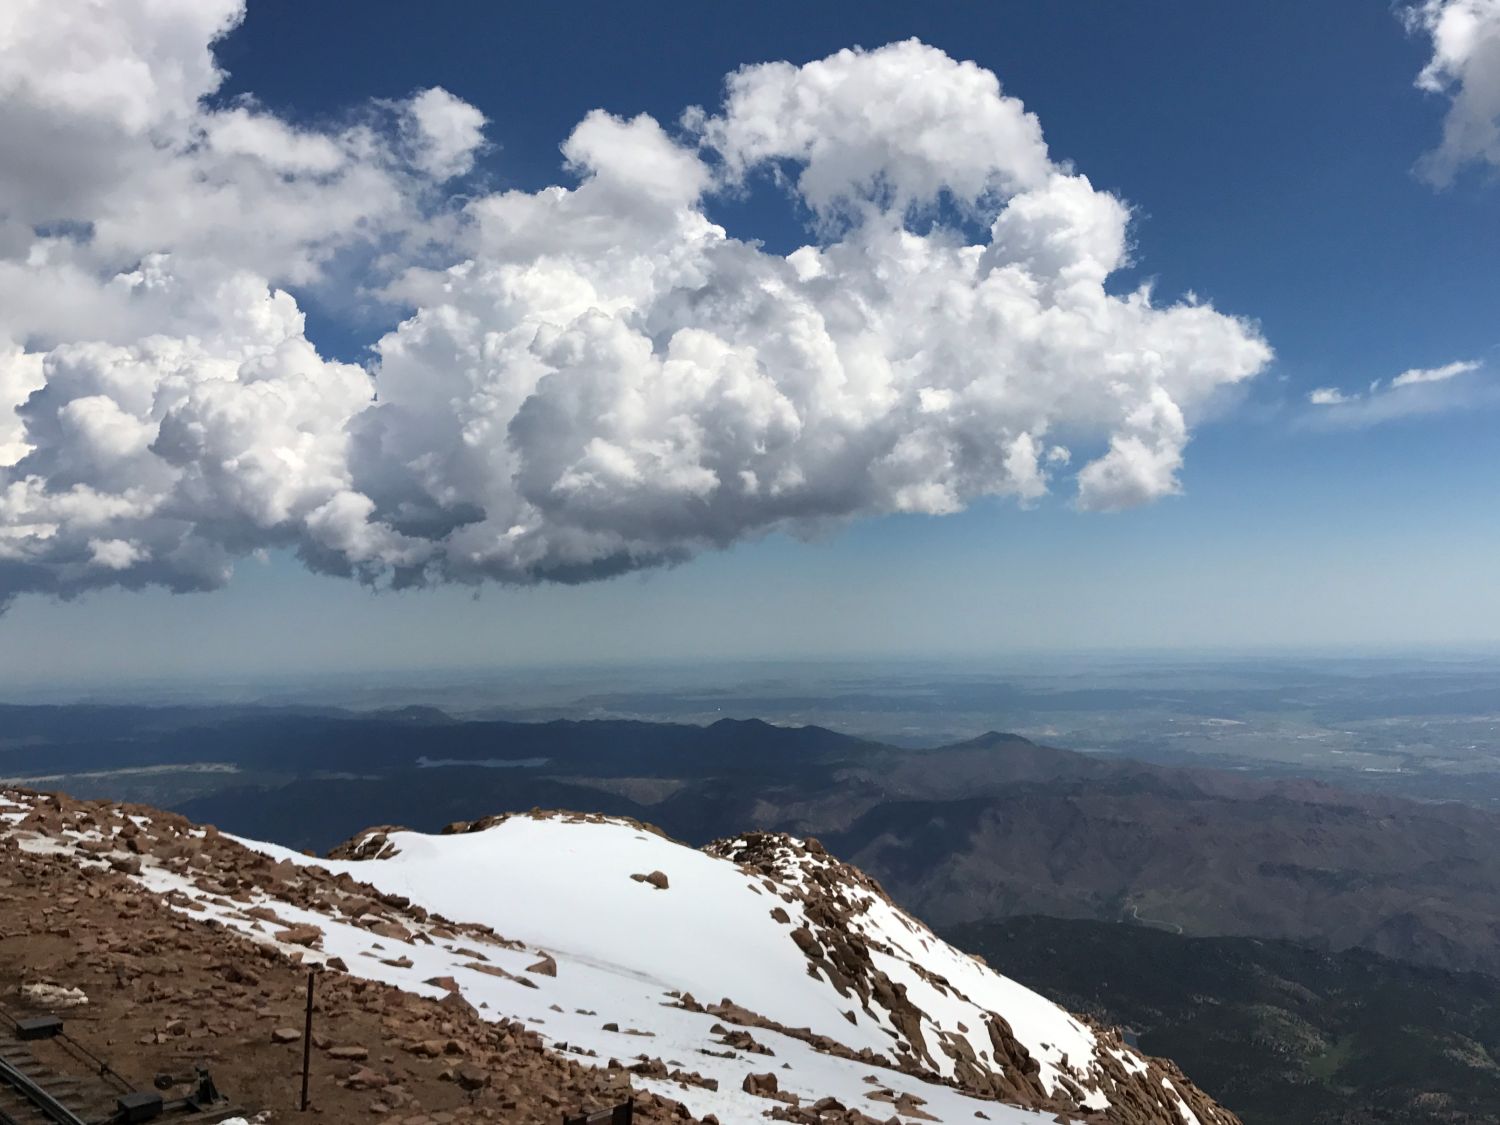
(756, 977)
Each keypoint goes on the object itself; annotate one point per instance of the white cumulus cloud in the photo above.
(587, 379)
(446, 132)
(1465, 67)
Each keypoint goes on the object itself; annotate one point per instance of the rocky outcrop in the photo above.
(832, 899)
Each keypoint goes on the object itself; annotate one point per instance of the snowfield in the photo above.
(606, 963)
(622, 947)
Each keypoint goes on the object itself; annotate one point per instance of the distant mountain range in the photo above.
(976, 831)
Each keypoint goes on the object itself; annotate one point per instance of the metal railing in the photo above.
(50, 1108)
(103, 1068)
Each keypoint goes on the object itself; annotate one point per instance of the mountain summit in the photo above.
(756, 978)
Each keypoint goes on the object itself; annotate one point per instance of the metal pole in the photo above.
(307, 1041)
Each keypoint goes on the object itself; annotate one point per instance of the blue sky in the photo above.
(1267, 152)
